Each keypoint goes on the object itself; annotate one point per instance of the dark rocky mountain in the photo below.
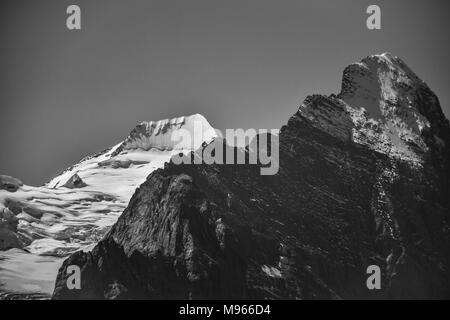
(363, 180)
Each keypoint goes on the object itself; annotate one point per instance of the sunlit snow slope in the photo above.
(76, 208)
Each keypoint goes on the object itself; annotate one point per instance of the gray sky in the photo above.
(241, 63)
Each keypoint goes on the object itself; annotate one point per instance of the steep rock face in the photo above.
(352, 191)
(190, 253)
(393, 110)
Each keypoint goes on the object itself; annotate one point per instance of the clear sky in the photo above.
(241, 63)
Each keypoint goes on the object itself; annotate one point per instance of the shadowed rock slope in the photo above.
(352, 190)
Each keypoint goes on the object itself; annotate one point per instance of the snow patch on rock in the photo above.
(271, 271)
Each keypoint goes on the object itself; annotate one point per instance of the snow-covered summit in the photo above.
(148, 146)
(158, 134)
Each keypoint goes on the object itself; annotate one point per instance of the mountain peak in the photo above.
(158, 134)
(384, 105)
(386, 87)
(148, 146)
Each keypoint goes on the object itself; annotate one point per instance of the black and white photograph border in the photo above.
(231, 151)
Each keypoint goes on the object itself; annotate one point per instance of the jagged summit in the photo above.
(376, 80)
(384, 105)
